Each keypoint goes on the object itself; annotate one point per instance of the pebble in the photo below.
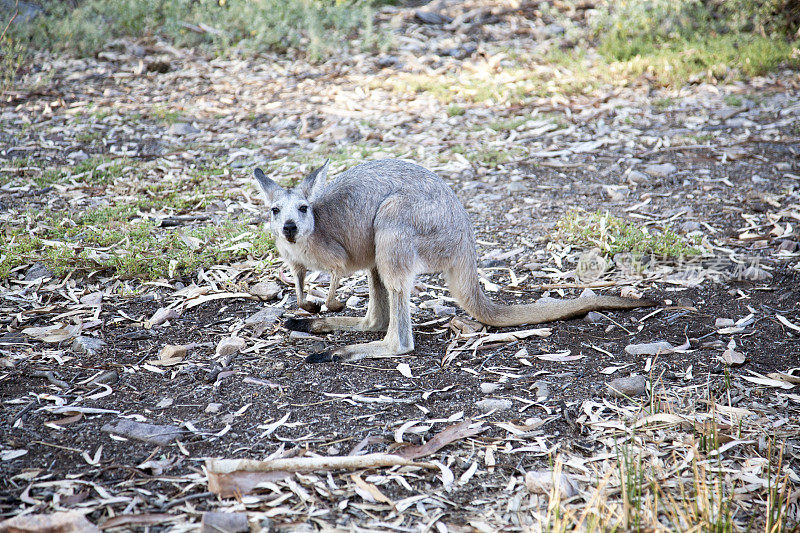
(690, 226)
(152, 433)
(353, 302)
(88, 345)
(630, 386)
(594, 317)
(182, 128)
(789, 246)
(444, 310)
(493, 404)
(542, 390)
(724, 323)
(230, 346)
(662, 170)
(265, 290)
(267, 316)
(213, 408)
(754, 273)
(650, 348)
(37, 271)
(219, 522)
(488, 388)
(516, 186)
(541, 482)
(638, 178)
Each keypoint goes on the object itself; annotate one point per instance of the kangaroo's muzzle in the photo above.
(290, 230)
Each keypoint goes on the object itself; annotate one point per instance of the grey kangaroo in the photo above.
(394, 220)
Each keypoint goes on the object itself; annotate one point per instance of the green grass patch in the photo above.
(455, 110)
(675, 41)
(123, 237)
(613, 235)
(314, 26)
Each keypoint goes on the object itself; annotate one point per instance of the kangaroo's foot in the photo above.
(354, 352)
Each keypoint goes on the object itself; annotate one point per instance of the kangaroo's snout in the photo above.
(290, 230)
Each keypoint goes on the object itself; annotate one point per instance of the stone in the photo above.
(542, 482)
(662, 170)
(724, 323)
(88, 345)
(689, 226)
(594, 317)
(267, 316)
(488, 388)
(516, 187)
(38, 271)
(444, 310)
(650, 348)
(151, 433)
(542, 390)
(630, 386)
(755, 273)
(493, 404)
(265, 290)
(182, 128)
(213, 408)
(230, 346)
(219, 522)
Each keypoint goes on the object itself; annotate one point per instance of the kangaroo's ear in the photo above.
(313, 184)
(269, 187)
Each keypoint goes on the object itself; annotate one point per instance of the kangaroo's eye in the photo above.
(276, 210)
(303, 209)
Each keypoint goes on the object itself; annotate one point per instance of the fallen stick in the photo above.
(310, 464)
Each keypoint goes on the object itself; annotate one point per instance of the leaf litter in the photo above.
(699, 422)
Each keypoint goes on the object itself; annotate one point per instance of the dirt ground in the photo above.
(729, 174)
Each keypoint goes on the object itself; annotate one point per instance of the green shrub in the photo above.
(314, 26)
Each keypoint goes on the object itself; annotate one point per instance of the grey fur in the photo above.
(394, 220)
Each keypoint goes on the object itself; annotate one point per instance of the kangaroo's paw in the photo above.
(311, 307)
(335, 306)
(322, 357)
(298, 324)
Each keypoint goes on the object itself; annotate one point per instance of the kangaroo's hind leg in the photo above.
(395, 260)
(376, 319)
(332, 303)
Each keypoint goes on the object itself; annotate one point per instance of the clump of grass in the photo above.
(674, 40)
(315, 27)
(454, 110)
(613, 235)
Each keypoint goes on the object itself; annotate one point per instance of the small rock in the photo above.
(230, 346)
(166, 402)
(616, 193)
(182, 128)
(541, 482)
(37, 271)
(542, 390)
(631, 386)
(444, 310)
(724, 323)
(112, 376)
(152, 433)
(789, 246)
(430, 17)
(754, 273)
(690, 226)
(88, 345)
(388, 61)
(217, 522)
(80, 155)
(728, 112)
(554, 29)
(663, 170)
(488, 388)
(353, 302)
(493, 404)
(516, 187)
(213, 408)
(650, 348)
(783, 165)
(265, 290)
(637, 178)
(265, 317)
(594, 317)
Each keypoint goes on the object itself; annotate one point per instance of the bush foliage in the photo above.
(314, 26)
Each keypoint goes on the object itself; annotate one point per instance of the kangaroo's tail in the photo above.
(465, 287)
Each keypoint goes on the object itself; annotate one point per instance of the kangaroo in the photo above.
(393, 219)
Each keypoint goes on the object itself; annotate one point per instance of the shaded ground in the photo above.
(518, 166)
